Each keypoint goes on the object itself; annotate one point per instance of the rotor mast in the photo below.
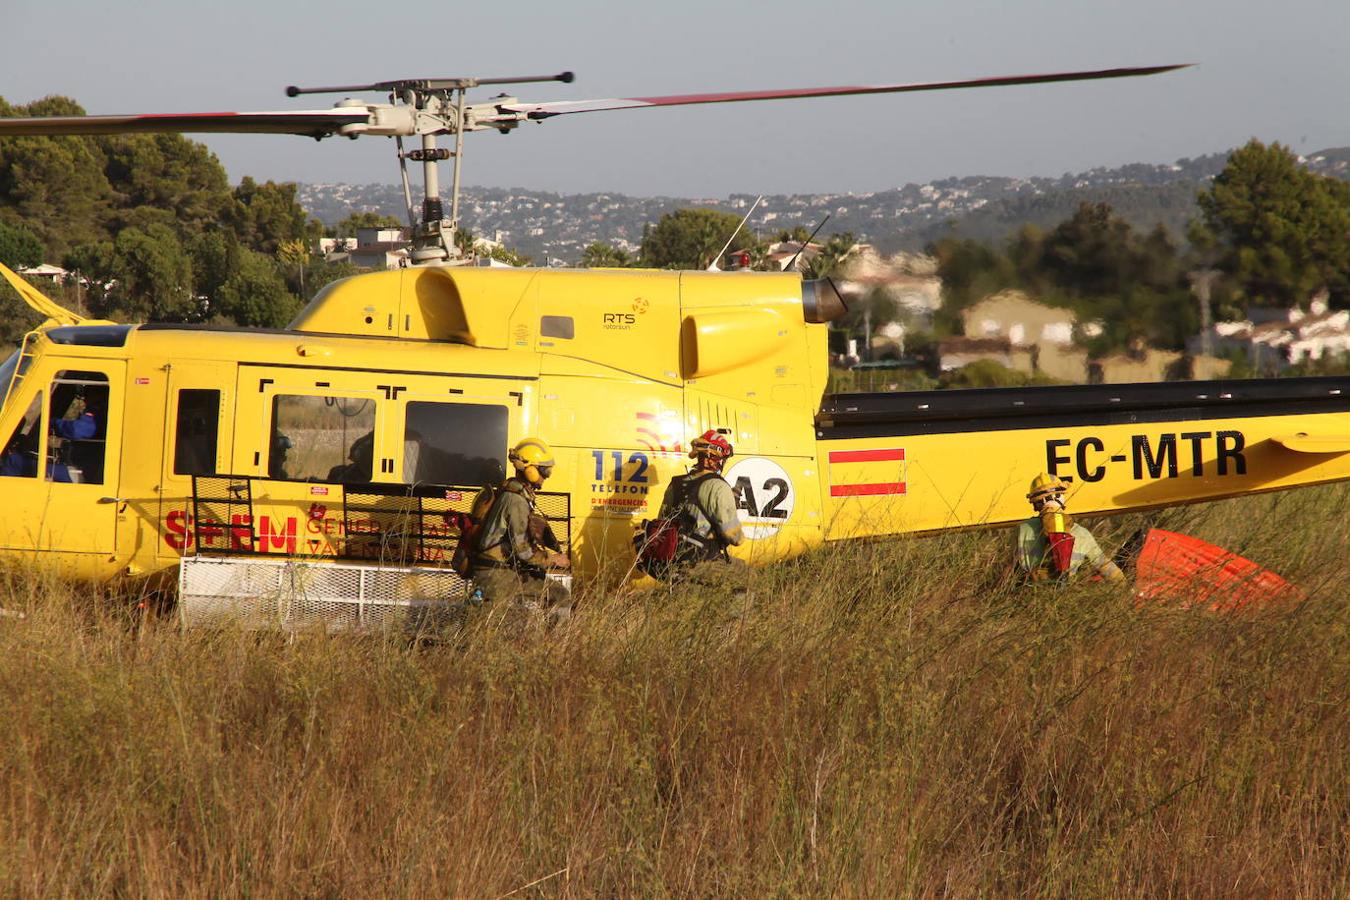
(438, 106)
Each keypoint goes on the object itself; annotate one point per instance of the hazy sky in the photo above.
(1277, 71)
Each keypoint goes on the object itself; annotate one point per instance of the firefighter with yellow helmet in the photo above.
(511, 553)
(1050, 545)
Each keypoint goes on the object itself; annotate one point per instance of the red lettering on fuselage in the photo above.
(180, 534)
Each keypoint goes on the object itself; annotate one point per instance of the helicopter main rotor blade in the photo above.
(564, 107)
(310, 123)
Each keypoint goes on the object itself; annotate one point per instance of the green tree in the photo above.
(1282, 232)
(323, 273)
(215, 257)
(265, 215)
(94, 262)
(970, 271)
(19, 246)
(828, 261)
(469, 245)
(294, 257)
(256, 294)
(166, 172)
(600, 255)
(797, 233)
(691, 238)
(54, 186)
(348, 226)
(1088, 253)
(152, 278)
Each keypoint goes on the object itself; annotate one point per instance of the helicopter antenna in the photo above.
(792, 262)
(712, 266)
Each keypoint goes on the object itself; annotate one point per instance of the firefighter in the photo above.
(511, 553)
(703, 505)
(1051, 546)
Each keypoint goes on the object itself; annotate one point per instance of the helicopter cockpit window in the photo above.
(19, 458)
(198, 427)
(322, 438)
(454, 443)
(77, 427)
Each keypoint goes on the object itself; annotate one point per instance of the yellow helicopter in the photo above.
(359, 432)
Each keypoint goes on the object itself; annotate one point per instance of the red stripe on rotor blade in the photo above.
(867, 490)
(881, 455)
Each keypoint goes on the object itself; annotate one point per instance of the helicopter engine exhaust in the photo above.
(821, 301)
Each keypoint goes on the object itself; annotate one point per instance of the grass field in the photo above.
(878, 720)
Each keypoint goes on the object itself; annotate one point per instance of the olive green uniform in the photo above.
(1033, 551)
(508, 562)
(705, 506)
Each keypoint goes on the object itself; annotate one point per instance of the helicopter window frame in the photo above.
(7, 370)
(436, 434)
(13, 369)
(196, 442)
(77, 458)
(25, 442)
(355, 463)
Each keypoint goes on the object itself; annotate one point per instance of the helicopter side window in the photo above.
(77, 427)
(196, 432)
(322, 438)
(20, 456)
(454, 443)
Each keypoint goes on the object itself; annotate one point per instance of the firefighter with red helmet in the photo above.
(1050, 545)
(703, 505)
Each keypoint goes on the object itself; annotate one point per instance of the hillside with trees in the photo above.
(152, 228)
(557, 228)
(1273, 233)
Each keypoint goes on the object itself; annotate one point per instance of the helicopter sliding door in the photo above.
(456, 430)
(58, 463)
(199, 409)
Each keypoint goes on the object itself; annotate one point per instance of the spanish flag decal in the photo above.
(867, 473)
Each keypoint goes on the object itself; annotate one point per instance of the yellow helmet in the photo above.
(533, 459)
(1045, 484)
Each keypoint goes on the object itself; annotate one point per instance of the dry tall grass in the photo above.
(880, 720)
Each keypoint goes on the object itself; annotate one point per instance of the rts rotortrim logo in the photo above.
(622, 321)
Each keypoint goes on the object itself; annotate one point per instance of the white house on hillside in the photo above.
(1275, 338)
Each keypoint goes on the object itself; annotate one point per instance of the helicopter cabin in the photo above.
(374, 418)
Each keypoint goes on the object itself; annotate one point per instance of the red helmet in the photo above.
(712, 445)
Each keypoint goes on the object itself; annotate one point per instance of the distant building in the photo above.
(907, 279)
(1272, 339)
(373, 248)
(953, 353)
(45, 270)
(1144, 363)
(1016, 331)
(783, 254)
(1046, 332)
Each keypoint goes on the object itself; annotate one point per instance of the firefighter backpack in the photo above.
(471, 528)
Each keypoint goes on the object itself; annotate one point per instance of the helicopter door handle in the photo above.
(112, 500)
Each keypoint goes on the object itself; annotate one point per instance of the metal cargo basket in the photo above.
(290, 594)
